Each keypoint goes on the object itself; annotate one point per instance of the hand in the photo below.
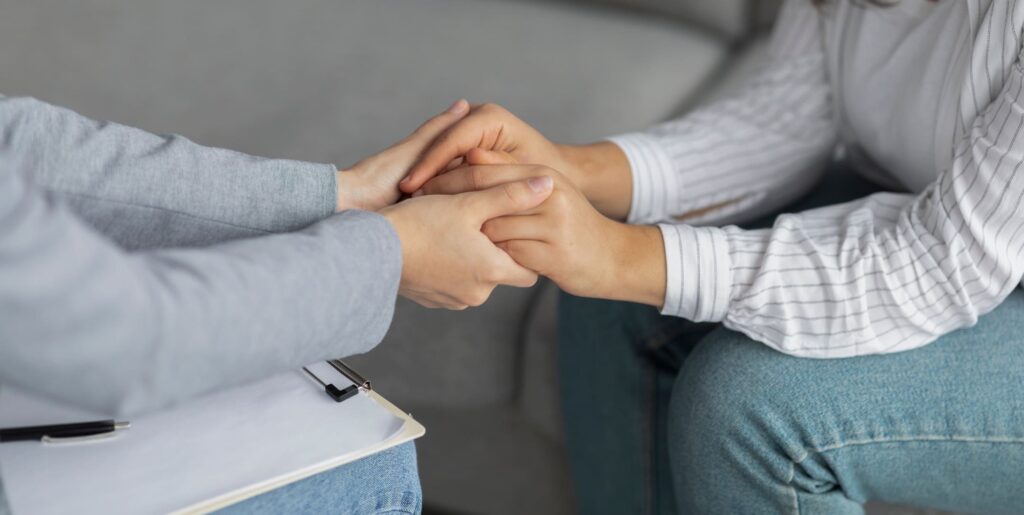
(600, 170)
(565, 238)
(372, 183)
(448, 262)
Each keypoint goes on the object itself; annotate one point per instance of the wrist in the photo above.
(602, 173)
(342, 189)
(350, 190)
(637, 264)
(573, 159)
(393, 214)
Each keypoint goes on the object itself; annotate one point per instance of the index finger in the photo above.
(474, 131)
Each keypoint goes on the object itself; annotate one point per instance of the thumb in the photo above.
(510, 198)
(483, 156)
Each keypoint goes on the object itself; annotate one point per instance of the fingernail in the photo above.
(417, 193)
(405, 180)
(541, 184)
(460, 106)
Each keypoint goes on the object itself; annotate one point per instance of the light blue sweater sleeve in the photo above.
(145, 190)
(133, 331)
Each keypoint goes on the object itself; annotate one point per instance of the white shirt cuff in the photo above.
(698, 283)
(655, 191)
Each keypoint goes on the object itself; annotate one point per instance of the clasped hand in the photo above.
(480, 217)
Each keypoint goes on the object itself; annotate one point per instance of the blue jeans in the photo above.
(666, 416)
(385, 483)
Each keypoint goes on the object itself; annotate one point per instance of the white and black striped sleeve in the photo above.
(749, 154)
(889, 272)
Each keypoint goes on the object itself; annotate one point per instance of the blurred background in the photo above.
(336, 80)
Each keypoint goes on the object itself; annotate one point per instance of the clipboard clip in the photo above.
(359, 383)
(351, 375)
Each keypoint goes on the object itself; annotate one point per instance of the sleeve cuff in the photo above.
(698, 282)
(655, 190)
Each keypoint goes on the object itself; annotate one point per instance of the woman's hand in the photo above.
(447, 261)
(372, 183)
(601, 171)
(565, 238)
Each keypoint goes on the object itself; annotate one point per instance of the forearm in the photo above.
(145, 190)
(141, 330)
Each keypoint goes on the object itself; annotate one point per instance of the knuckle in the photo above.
(531, 280)
(490, 275)
(510, 191)
(475, 179)
(477, 298)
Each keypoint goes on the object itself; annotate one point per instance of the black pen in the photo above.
(58, 431)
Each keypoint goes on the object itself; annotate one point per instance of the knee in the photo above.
(729, 415)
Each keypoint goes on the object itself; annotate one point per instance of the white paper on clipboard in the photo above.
(202, 455)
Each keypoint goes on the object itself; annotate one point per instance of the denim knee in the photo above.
(730, 421)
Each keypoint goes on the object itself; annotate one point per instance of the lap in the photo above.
(386, 482)
(945, 420)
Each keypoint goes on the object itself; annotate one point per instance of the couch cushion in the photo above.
(334, 81)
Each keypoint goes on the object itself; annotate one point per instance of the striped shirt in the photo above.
(886, 273)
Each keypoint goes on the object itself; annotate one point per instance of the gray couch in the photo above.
(335, 80)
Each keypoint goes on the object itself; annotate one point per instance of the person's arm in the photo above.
(887, 273)
(746, 155)
(127, 331)
(883, 274)
(145, 190)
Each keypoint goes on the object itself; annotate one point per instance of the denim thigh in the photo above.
(385, 483)
(752, 430)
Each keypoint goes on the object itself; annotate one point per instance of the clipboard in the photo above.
(202, 455)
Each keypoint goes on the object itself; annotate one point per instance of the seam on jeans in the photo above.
(899, 439)
(918, 438)
(156, 208)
